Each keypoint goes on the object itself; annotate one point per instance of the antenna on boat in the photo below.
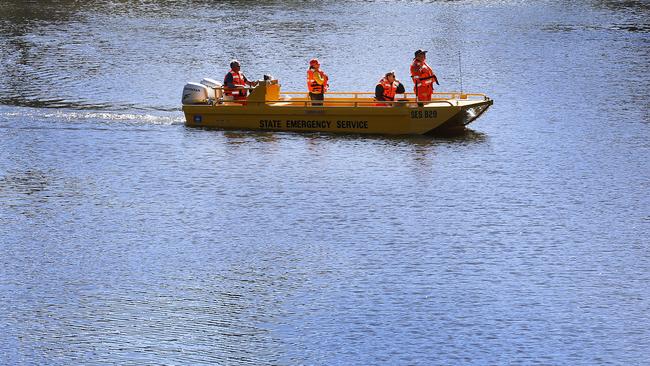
(460, 72)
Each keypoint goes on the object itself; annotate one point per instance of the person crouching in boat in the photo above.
(316, 82)
(387, 87)
(235, 82)
(423, 76)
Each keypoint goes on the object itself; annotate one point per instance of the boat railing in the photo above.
(340, 102)
(356, 99)
(408, 95)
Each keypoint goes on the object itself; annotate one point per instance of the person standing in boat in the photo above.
(423, 76)
(387, 87)
(316, 82)
(235, 82)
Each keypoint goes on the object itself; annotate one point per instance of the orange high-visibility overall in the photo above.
(423, 78)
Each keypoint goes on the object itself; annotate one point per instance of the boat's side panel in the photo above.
(372, 120)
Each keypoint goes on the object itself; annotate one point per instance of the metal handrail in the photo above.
(333, 103)
(309, 103)
(453, 95)
(456, 96)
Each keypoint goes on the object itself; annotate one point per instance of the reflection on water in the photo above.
(30, 193)
(28, 182)
(237, 137)
(637, 7)
(640, 28)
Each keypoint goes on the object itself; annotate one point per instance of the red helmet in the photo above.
(314, 61)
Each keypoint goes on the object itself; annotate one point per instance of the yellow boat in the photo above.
(267, 109)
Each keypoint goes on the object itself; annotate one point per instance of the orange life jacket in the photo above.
(237, 79)
(422, 75)
(389, 88)
(316, 84)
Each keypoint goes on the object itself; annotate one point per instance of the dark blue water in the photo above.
(127, 238)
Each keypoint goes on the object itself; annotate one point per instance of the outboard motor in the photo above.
(215, 91)
(195, 93)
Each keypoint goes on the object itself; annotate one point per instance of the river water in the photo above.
(127, 238)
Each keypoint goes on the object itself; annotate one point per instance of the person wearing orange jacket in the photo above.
(387, 87)
(423, 76)
(235, 82)
(317, 82)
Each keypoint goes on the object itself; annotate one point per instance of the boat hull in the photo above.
(413, 119)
